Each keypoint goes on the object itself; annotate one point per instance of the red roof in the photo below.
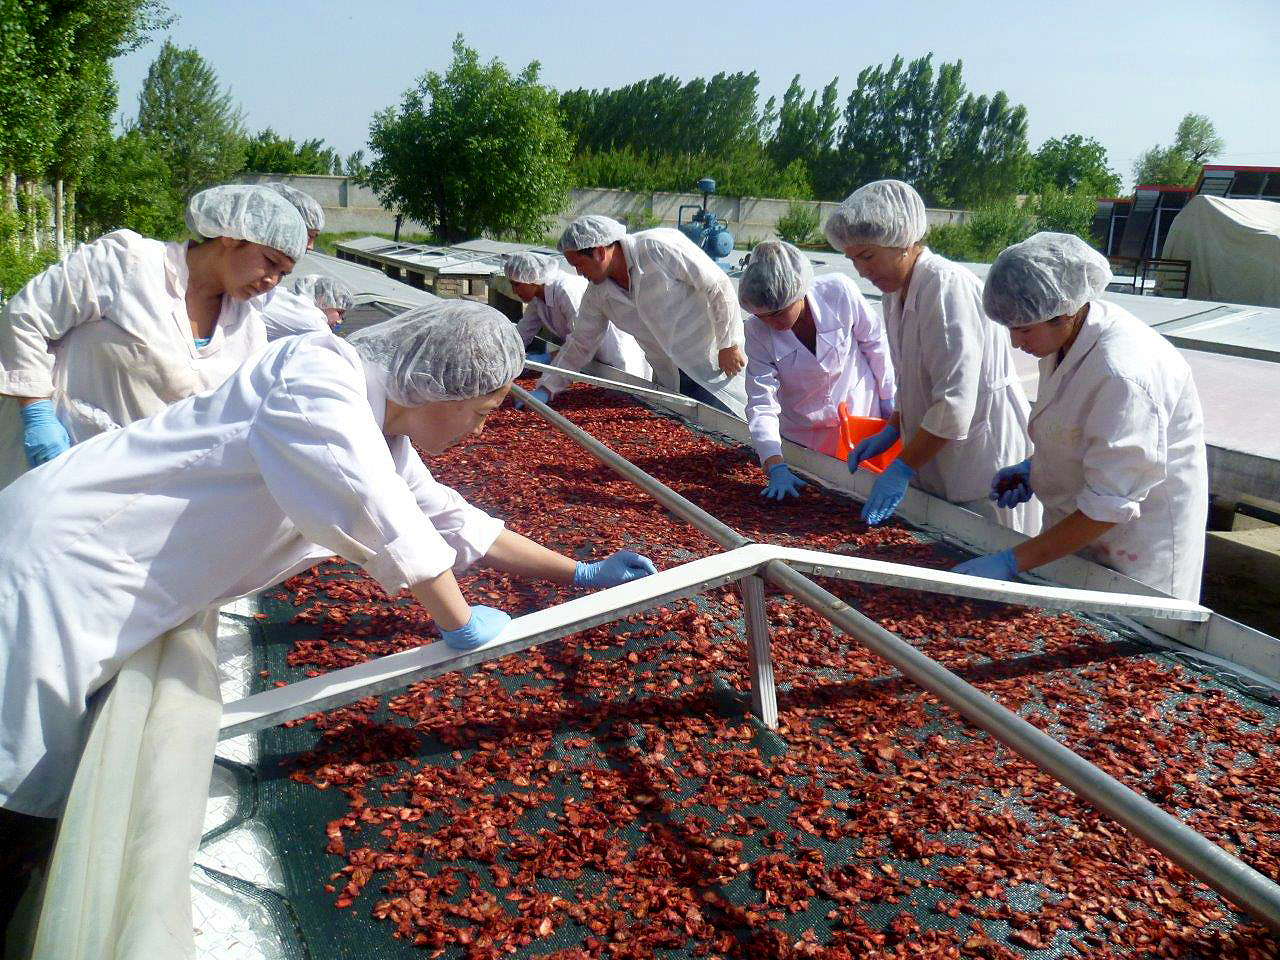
(1239, 168)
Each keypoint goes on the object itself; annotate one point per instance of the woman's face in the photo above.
(888, 268)
(525, 291)
(1044, 339)
(311, 239)
(784, 319)
(440, 424)
(333, 316)
(250, 269)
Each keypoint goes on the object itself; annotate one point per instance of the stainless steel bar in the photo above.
(764, 692)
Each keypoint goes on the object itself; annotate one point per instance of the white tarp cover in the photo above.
(1234, 249)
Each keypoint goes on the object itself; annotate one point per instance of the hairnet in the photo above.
(888, 213)
(529, 267)
(245, 212)
(312, 212)
(451, 350)
(329, 293)
(593, 230)
(1045, 276)
(777, 275)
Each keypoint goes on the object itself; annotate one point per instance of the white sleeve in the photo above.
(1125, 455)
(530, 322)
(589, 328)
(953, 357)
(762, 399)
(563, 303)
(286, 314)
(81, 288)
(697, 270)
(868, 331)
(326, 463)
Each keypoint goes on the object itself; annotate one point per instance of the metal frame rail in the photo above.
(751, 565)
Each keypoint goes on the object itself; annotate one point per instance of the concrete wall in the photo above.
(348, 207)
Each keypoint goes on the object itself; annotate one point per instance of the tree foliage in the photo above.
(1195, 142)
(128, 184)
(194, 122)
(748, 174)
(1073, 163)
(474, 150)
(268, 152)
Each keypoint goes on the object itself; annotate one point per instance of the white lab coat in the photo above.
(557, 309)
(105, 333)
(680, 307)
(132, 532)
(287, 314)
(1119, 436)
(956, 379)
(795, 394)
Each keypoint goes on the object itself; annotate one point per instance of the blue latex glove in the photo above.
(485, 624)
(543, 357)
(540, 393)
(994, 566)
(886, 409)
(620, 567)
(782, 483)
(43, 435)
(889, 489)
(873, 446)
(1012, 485)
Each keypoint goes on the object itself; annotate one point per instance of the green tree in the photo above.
(128, 185)
(194, 122)
(806, 128)
(1194, 142)
(1073, 163)
(475, 150)
(268, 152)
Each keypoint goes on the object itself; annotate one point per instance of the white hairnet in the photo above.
(451, 350)
(593, 230)
(888, 213)
(1045, 276)
(329, 293)
(776, 276)
(245, 212)
(529, 267)
(312, 212)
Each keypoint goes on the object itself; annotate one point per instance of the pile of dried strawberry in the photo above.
(604, 796)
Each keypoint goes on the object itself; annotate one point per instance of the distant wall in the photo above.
(347, 207)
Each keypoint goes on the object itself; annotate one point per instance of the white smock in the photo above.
(956, 379)
(105, 333)
(680, 307)
(287, 314)
(796, 394)
(556, 309)
(130, 533)
(1119, 436)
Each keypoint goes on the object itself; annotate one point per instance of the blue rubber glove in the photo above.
(543, 357)
(43, 435)
(540, 393)
(886, 408)
(873, 446)
(889, 489)
(1012, 485)
(620, 567)
(782, 483)
(485, 624)
(994, 566)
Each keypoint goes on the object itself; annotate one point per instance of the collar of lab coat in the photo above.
(914, 285)
(375, 386)
(826, 323)
(175, 268)
(1054, 374)
(627, 243)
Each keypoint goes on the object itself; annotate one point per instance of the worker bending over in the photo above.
(961, 410)
(331, 296)
(311, 212)
(811, 346)
(1119, 458)
(659, 287)
(304, 452)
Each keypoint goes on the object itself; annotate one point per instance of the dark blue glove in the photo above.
(886, 408)
(873, 446)
(1012, 485)
(621, 567)
(485, 624)
(782, 483)
(994, 566)
(43, 435)
(539, 393)
(543, 357)
(887, 492)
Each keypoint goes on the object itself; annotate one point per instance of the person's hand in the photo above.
(485, 624)
(620, 567)
(994, 566)
(43, 435)
(887, 492)
(1012, 485)
(538, 393)
(731, 360)
(782, 483)
(886, 408)
(542, 357)
(873, 446)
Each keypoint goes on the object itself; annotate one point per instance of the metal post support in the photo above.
(764, 693)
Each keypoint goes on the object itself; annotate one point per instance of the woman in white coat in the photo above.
(126, 325)
(304, 452)
(961, 410)
(1119, 457)
(811, 346)
(551, 298)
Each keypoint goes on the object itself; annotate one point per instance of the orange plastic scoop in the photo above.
(855, 429)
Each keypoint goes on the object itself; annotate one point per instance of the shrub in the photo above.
(799, 225)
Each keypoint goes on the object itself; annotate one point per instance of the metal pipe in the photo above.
(764, 692)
